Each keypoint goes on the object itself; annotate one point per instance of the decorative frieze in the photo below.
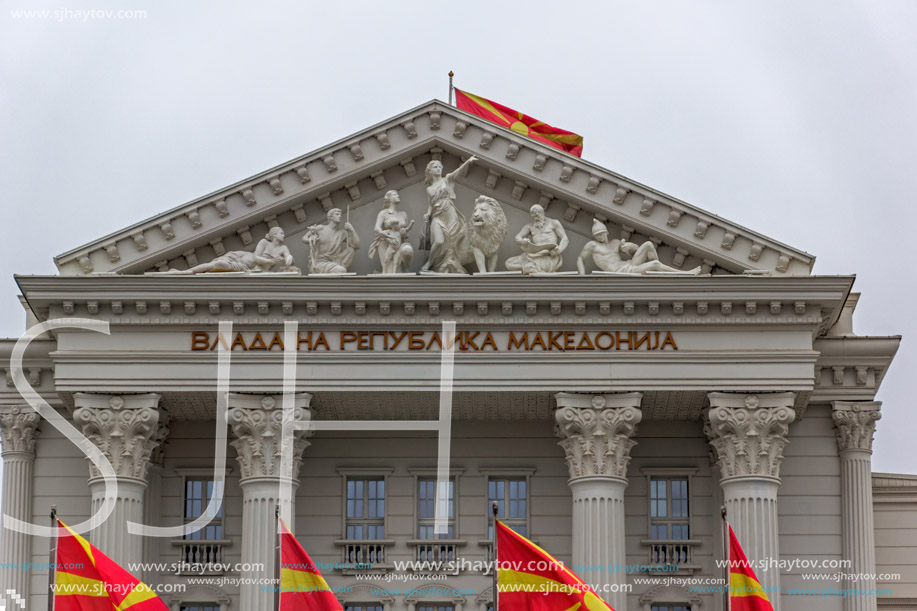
(856, 424)
(596, 432)
(221, 207)
(194, 217)
(140, 241)
(356, 151)
(748, 432)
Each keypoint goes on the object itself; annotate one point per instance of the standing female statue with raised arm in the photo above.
(447, 224)
(392, 229)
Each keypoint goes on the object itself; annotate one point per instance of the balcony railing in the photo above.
(436, 550)
(365, 554)
(201, 557)
(670, 553)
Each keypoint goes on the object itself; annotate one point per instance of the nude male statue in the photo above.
(607, 255)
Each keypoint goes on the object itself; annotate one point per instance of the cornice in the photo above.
(361, 164)
(729, 301)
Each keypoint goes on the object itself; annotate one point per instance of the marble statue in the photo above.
(447, 231)
(483, 234)
(270, 255)
(333, 245)
(542, 241)
(607, 255)
(392, 229)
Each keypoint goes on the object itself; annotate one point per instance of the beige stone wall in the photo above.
(895, 515)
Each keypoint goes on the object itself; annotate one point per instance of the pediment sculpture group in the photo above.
(455, 245)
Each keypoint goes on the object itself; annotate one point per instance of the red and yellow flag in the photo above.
(88, 580)
(518, 122)
(745, 591)
(530, 579)
(302, 587)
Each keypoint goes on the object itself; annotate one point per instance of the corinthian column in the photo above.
(257, 423)
(18, 433)
(856, 424)
(748, 434)
(124, 428)
(595, 432)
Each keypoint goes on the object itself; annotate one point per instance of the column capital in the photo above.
(856, 423)
(18, 429)
(596, 431)
(748, 432)
(257, 422)
(123, 427)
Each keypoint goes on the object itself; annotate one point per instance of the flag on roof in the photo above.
(518, 122)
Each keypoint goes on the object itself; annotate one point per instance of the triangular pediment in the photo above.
(354, 173)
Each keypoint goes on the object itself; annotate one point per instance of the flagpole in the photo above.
(494, 509)
(277, 556)
(728, 569)
(451, 88)
(52, 559)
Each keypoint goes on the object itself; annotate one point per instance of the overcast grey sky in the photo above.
(796, 119)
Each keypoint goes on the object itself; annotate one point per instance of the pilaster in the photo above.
(18, 434)
(595, 432)
(125, 429)
(257, 423)
(748, 434)
(856, 425)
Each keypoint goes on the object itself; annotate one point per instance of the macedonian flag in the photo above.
(518, 122)
(302, 587)
(745, 592)
(88, 580)
(530, 579)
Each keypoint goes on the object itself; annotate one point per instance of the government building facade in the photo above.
(623, 365)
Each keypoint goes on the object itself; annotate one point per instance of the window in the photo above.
(435, 607)
(511, 495)
(669, 508)
(198, 492)
(365, 509)
(671, 608)
(668, 515)
(363, 607)
(200, 607)
(426, 508)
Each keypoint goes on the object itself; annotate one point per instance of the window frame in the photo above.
(670, 473)
(428, 473)
(507, 473)
(202, 473)
(365, 474)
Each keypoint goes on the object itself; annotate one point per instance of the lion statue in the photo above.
(484, 232)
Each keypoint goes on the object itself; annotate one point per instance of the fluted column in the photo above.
(151, 508)
(124, 428)
(748, 434)
(595, 432)
(856, 425)
(257, 422)
(18, 433)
